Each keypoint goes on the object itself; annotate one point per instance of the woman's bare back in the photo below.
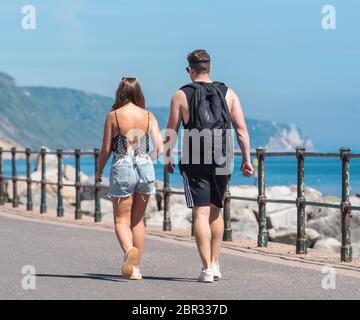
(133, 122)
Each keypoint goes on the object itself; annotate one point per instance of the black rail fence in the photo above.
(345, 208)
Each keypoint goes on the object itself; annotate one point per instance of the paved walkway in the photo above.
(84, 262)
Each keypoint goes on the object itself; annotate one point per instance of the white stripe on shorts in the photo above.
(188, 195)
(187, 191)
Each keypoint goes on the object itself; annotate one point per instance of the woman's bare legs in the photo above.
(122, 221)
(137, 223)
(129, 222)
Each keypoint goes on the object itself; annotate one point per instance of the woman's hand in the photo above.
(247, 168)
(98, 177)
(169, 164)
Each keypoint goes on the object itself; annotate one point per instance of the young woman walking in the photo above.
(129, 127)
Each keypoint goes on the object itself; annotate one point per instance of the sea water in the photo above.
(321, 174)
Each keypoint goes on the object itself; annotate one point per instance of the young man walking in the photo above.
(206, 109)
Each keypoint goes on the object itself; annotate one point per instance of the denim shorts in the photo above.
(130, 174)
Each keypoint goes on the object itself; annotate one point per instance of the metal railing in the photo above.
(43, 182)
(344, 207)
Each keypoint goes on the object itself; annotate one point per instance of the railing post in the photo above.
(43, 207)
(14, 177)
(145, 220)
(60, 207)
(167, 192)
(301, 243)
(77, 185)
(346, 249)
(29, 200)
(2, 189)
(227, 215)
(263, 234)
(97, 213)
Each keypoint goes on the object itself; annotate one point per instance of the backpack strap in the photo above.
(218, 84)
(226, 111)
(196, 85)
(193, 85)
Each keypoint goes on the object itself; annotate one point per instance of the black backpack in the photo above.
(208, 110)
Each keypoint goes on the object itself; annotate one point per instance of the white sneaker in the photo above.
(216, 272)
(206, 275)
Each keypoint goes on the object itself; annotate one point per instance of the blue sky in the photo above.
(275, 54)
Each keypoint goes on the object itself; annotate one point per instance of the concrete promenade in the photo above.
(81, 260)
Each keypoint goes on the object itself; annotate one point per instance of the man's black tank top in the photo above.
(189, 92)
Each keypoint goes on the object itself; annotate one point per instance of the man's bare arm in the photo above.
(238, 120)
(172, 128)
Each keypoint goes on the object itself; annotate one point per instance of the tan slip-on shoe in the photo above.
(128, 265)
(136, 275)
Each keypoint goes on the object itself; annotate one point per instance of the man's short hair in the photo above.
(199, 60)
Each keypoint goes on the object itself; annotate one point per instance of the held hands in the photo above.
(247, 168)
(98, 177)
(169, 165)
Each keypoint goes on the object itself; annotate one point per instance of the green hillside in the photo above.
(67, 118)
(56, 118)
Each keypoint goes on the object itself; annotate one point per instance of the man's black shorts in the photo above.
(202, 186)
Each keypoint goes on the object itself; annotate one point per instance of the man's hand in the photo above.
(169, 165)
(247, 168)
